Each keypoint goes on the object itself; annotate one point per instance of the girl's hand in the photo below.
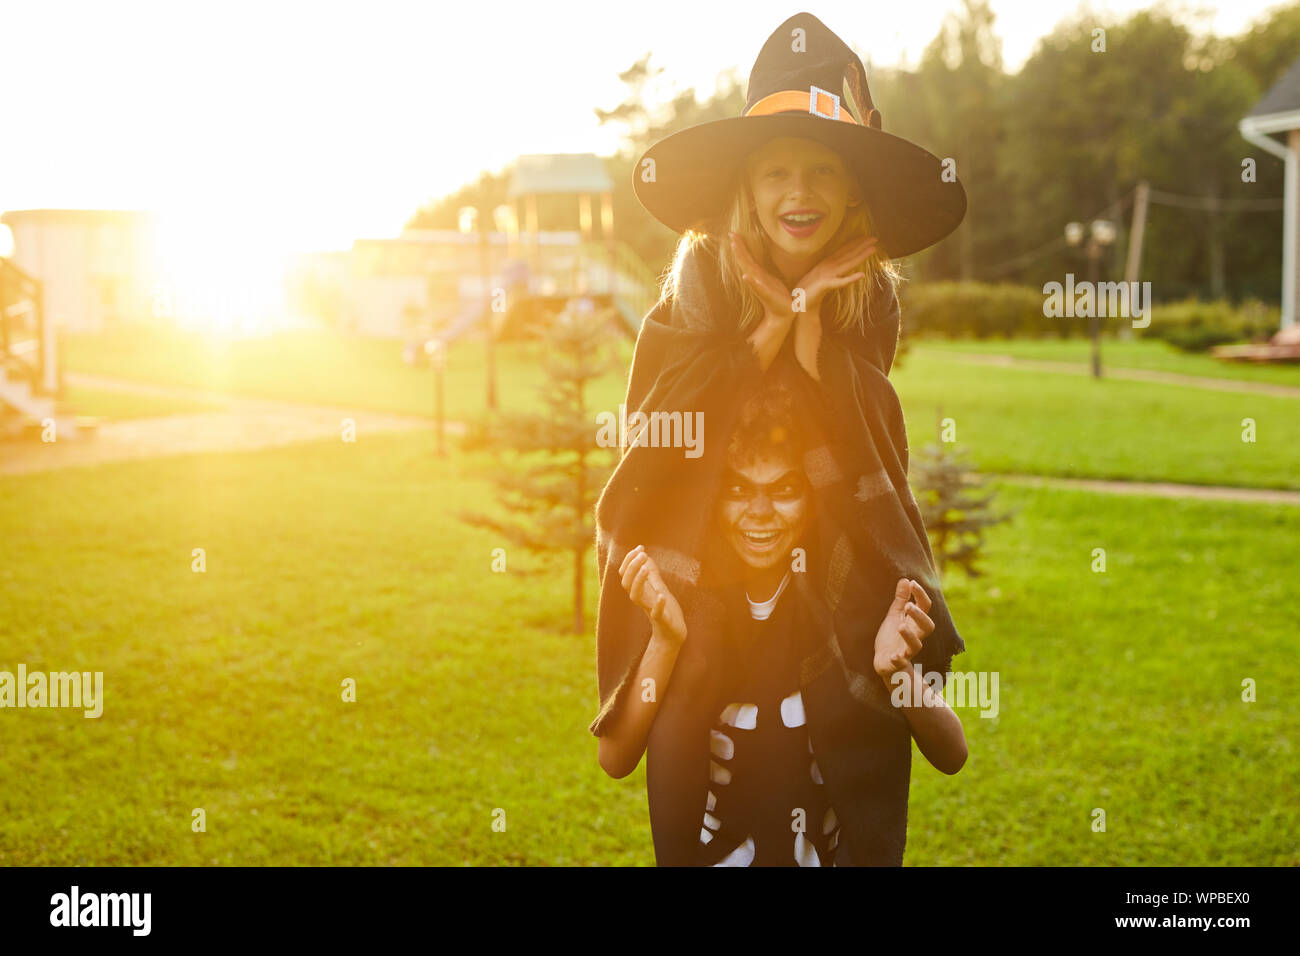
(828, 274)
(641, 580)
(905, 626)
(778, 301)
(771, 291)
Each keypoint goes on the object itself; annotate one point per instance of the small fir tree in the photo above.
(549, 469)
(955, 514)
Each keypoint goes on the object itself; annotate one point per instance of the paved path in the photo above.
(252, 423)
(1161, 489)
(1133, 374)
(242, 424)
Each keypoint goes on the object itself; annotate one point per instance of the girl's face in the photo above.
(801, 191)
(763, 508)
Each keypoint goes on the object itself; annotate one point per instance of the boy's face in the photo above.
(790, 174)
(763, 508)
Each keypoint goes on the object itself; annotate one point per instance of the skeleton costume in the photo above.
(811, 702)
(766, 803)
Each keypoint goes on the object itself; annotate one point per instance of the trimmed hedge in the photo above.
(980, 310)
(987, 310)
(1195, 326)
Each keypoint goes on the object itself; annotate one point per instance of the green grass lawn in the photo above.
(328, 561)
(1007, 419)
(324, 368)
(1141, 353)
(122, 406)
(1038, 422)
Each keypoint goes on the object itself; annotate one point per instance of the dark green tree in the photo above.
(643, 125)
(962, 86)
(1270, 45)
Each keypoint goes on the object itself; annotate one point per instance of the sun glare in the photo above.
(219, 276)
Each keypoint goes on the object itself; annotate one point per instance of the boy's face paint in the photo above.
(763, 509)
(791, 175)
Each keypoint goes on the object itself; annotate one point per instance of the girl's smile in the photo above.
(802, 223)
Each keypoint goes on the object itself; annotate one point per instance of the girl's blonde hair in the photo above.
(846, 308)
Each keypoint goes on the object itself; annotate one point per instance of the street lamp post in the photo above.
(437, 353)
(471, 221)
(1100, 234)
(506, 220)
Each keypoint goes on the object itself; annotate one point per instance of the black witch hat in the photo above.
(806, 83)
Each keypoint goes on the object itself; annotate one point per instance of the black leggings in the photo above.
(677, 749)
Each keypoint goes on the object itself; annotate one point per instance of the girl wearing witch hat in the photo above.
(790, 215)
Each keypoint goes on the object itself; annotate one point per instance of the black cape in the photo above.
(866, 533)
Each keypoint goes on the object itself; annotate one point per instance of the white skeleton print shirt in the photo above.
(766, 804)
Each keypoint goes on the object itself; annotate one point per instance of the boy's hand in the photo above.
(646, 588)
(905, 626)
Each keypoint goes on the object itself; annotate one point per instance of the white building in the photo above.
(95, 266)
(418, 281)
(1274, 125)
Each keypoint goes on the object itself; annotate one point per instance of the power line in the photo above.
(1010, 265)
(1205, 203)
(1033, 255)
(1212, 203)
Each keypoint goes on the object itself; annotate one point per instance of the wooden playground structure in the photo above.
(542, 273)
(31, 375)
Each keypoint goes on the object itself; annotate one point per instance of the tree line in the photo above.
(1101, 104)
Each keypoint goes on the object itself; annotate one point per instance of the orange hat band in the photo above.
(817, 101)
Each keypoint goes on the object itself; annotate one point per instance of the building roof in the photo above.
(93, 217)
(451, 237)
(549, 173)
(1283, 96)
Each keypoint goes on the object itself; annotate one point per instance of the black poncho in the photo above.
(866, 533)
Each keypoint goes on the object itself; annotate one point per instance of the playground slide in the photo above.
(17, 394)
(464, 321)
(632, 318)
(472, 313)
